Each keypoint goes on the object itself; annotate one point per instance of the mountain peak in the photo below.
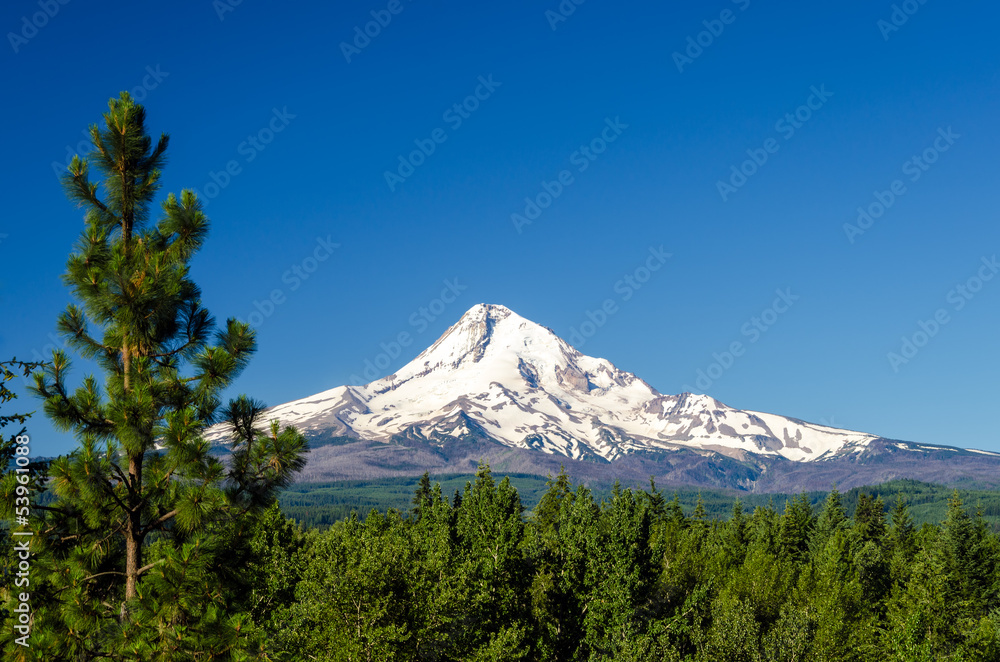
(519, 384)
(494, 334)
(468, 339)
(483, 310)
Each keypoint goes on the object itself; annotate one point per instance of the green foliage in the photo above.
(619, 576)
(632, 577)
(557, 543)
(322, 504)
(136, 554)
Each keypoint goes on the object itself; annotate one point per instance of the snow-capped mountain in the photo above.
(495, 375)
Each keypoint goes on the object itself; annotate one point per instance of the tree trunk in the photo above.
(133, 533)
(133, 529)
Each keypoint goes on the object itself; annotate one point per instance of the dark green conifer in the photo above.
(134, 537)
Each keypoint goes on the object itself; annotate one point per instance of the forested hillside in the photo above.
(322, 504)
(628, 577)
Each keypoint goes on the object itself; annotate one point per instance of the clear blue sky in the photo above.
(222, 83)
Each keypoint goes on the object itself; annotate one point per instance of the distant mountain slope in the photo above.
(502, 376)
(500, 386)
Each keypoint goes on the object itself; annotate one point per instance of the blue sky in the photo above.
(627, 124)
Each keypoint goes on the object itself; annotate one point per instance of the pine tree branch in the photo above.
(89, 194)
(158, 521)
(111, 491)
(101, 574)
(115, 531)
(51, 509)
(55, 394)
(121, 474)
(149, 567)
(191, 342)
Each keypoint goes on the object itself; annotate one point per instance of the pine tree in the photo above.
(436, 586)
(556, 544)
(657, 503)
(142, 471)
(734, 534)
(546, 515)
(832, 518)
(969, 556)
(796, 526)
(620, 574)
(872, 557)
(421, 498)
(491, 531)
(354, 601)
(700, 515)
(674, 512)
(869, 518)
(902, 530)
(901, 539)
(272, 563)
(764, 528)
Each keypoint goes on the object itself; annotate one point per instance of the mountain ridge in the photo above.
(496, 385)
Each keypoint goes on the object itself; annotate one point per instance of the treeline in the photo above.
(322, 504)
(629, 577)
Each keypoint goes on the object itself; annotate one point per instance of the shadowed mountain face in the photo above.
(501, 388)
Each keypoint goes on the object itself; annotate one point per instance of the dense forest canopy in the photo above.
(470, 576)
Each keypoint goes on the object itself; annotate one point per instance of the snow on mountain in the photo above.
(499, 375)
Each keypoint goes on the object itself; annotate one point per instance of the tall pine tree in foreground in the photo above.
(134, 562)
